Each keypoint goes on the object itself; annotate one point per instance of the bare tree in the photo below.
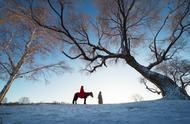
(24, 100)
(23, 47)
(137, 97)
(120, 31)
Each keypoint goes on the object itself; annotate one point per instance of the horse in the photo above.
(86, 94)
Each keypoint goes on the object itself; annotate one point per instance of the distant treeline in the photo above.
(26, 101)
(17, 103)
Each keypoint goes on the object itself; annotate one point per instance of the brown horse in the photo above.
(86, 94)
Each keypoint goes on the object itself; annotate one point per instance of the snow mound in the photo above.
(148, 112)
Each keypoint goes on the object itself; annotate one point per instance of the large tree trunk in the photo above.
(169, 89)
(6, 88)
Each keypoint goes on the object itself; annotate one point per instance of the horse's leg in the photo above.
(75, 99)
(84, 100)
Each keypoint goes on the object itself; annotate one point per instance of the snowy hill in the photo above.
(149, 112)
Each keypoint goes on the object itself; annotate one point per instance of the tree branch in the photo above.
(53, 8)
(60, 64)
(162, 56)
(7, 70)
(71, 56)
(144, 81)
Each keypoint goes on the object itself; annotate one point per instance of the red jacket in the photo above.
(81, 94)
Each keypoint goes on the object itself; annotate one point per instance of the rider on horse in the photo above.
(82, 95)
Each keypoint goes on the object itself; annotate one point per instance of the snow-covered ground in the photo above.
(149, 112)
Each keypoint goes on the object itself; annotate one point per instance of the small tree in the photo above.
(137, 97)
(24, 100)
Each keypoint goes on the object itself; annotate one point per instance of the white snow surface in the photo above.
(147, 112)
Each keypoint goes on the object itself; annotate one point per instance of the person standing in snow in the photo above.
(81, 93)
(100, 99)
